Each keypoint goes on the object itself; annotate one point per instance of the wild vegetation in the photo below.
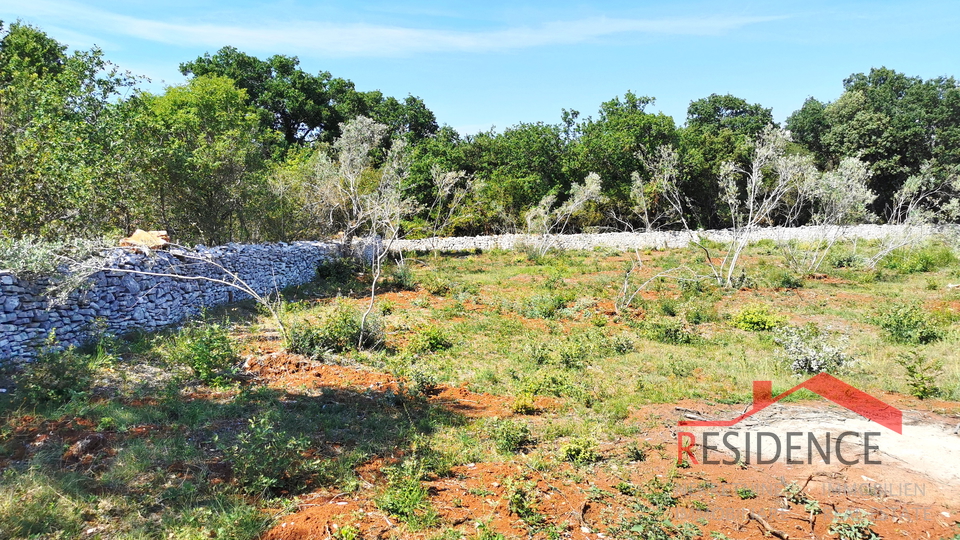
(437, 392)
(196, 432)
(253, 149)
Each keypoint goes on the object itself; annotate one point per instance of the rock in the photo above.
(11, 303)
(129, 283)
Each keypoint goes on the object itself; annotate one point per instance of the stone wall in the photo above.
(119, 299)
(660, 239)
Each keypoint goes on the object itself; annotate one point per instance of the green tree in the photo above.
(205, 160)
(305, 107)
(895, 123)
(299, 105)
(60, 122)
(719, 129)
(610, 144)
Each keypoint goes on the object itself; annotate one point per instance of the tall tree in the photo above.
(719, 129)
(207, 162)
(611, 144)
(305, 107)
(59, 121)
(897, 124)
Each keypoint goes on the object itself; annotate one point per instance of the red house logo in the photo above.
(827, 386)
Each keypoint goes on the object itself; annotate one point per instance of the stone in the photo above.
(129, 283)
(12, 302)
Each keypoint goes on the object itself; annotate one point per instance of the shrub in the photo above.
(524, 404)
(338, 331)
(207, 349)
(55, 376)
(405, 497)
(810, 349)
(265, 458)
(925, 259)
(673, 331)
(910, 324)
(757, 318)
(510, 436)
(580, 451)
(429, 339)
(920, 374)
(544, 306)
(783, 279)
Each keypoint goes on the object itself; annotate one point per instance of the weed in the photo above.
(660, 494)
(910, 324)
(852, 525)
(522, 500)
(429, 339)
(672, 331)
(545, 306)
(921, 374)
(338, 331)
(782, 279)
(622, 343)
(523, 404)
(627, 489)
(635, 453)
(925, 259)
(746, 493)
(757, 318)
(580, 451)
(810, 349)
(510, 436)
(55, 376)
(266, 458)
(644, 527)
(405, 498)
(484, 532)
(208, 350)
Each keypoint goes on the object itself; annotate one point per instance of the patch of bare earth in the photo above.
(914, 493)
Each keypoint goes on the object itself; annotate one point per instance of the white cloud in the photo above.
(353, 39)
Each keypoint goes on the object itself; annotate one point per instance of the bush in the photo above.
(510, 436)
(672, 331)
(338, 331)
(926, 259)
(920, 374)
(910, 324)
(783, 279)
(207, 349)
(265, 458)
(55, 376)
(545, 306)
(757, 318)
(429, 339)
(812, 350)
(580, 451)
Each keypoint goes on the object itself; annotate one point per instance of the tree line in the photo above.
(253, 149)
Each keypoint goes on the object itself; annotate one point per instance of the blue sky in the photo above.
(498, 63)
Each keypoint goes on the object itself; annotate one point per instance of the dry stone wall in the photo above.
(660, 239)
(121, 299)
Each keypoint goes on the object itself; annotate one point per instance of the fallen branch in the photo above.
(766, 526)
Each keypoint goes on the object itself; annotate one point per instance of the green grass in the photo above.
(499, 322)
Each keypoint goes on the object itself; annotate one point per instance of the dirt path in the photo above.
(914, 493)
